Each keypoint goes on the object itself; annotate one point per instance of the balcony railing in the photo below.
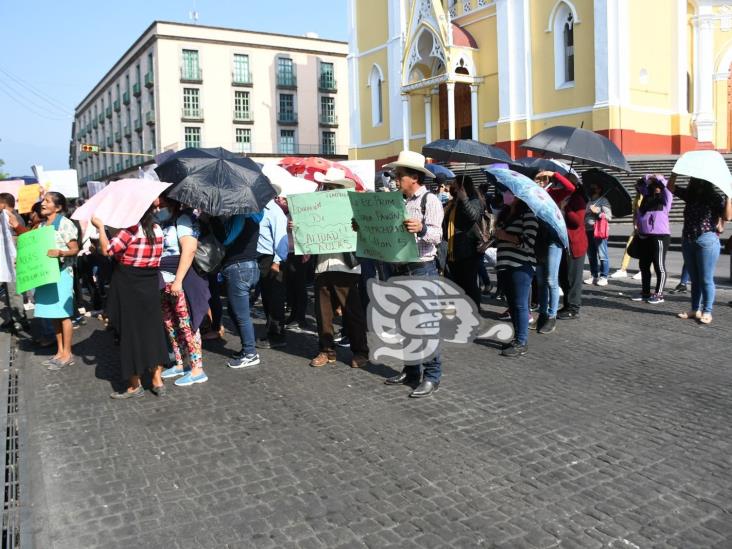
(192, 114)
(327, 84)
(243, 116)
(127, 131)
(287, 117)
(100, 118)
(88, 128)
(328, 120)
(95, 124)
(286, 81)
(149, 79)
(109, 141)
(118, 137)
(138, 125)
(150, 118)
(126, 98)
(108, 112)
(241, 78)
(136, 89)
(191, 74)
(117, 106)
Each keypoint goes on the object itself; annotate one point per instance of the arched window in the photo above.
(568, 49)
(563, 29)
(377, 106)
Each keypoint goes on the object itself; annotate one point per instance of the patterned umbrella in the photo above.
(536, 198)
(307, 168)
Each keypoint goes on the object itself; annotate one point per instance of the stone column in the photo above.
(474, 110)
(405, 121)
(704, 98)
(450, 110)
(428, 117)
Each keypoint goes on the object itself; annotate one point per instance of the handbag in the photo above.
(209, 254)
(602, 227)
(634, 248)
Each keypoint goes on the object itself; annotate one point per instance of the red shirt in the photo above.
(574, 216)
(131, 247)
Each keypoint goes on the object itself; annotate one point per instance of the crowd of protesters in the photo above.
(160, 306)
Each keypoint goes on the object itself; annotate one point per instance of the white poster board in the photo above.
(365, 169)
(65, 182)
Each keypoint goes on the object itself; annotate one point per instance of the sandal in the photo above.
(706, 318)
(694, 315)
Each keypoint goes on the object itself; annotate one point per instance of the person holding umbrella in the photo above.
(597, 215)
(573, 258)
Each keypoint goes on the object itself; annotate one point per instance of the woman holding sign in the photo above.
(55, 301)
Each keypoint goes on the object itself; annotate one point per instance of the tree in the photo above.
(3, 175)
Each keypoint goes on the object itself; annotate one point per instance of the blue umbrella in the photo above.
(536, 198)
(438, 169)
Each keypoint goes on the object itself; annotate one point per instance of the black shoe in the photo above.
(425, 389)
(567, 314)
(540, 321)
(272, 342)
(548, 326)
(515, 349)
(679, 289)
(343, 342)
(401, 379)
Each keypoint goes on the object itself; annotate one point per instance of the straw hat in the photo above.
(412, 160)
(335, 176)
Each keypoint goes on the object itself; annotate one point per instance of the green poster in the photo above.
(381, 232)
(33, 267)
(322, 222)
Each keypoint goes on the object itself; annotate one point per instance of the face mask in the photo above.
(163, 215)
(508, 198)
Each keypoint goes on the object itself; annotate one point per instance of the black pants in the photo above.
(653, 250)
(570, 279)
(272, 284)
(214, 302)
(296, 274)
(464, 272)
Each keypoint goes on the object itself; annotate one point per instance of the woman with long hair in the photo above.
(653, 234)
(55, 301)
(704, 215)
(133, 302)
(516, 232)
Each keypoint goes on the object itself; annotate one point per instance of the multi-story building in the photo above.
(182, 85)
(653, 75)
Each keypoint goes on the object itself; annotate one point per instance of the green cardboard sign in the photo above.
(381, 231)
(33, 267)
(322, 222)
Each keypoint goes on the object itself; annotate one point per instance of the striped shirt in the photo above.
(511, 255)
(431, 235)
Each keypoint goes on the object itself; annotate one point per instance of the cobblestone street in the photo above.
(615, 431)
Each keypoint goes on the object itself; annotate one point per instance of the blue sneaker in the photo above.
(172, 372)
(188, 379)
(246, 361)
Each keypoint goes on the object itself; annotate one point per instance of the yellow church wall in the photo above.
(372, 29)
(369, 133)
(416, 114)
(486, 63)
(377, 152)
(721, 131)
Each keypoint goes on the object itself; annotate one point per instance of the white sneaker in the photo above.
(602, 281)
(591, 280)
(620, 273)
(637, 276)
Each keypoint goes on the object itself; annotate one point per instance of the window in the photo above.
(151, 100)
(563, 29)
(377, 107)
(327, 76)
(152, 140)
(190, 103)
(241, 105)
(327, 110)
(328, 143)
(285, 72)
(287, 141)
(243, 139)
(568, 50)
(190, 69)
(137, 73)
(192, 137)
(149, 62)
(241, 69)
(287, 108)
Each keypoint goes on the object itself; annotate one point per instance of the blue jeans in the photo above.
(433, 368)
(597, 254)
(516, 283)
(700, 258)
(684, 275)
(240, 278)
(547, 277)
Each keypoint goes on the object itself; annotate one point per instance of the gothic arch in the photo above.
(555, 10)
(427, 49)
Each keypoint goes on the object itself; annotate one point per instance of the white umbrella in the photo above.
(707, 165)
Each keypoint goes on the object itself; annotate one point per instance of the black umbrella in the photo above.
(216, 181)
(465, 150)
(532, 166)
(578, 143)
(620, 200)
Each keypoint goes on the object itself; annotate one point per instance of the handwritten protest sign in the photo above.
(27, 196)
(33, 267)
(381, 232)
(322, 222)
(65, 182)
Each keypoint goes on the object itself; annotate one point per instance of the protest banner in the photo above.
(27, 196)
(65, 182)
(322, 222)
(33, 267)
(11, 186)
(381, 232)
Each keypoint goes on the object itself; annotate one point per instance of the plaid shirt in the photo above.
(130, 247)
(431, 235)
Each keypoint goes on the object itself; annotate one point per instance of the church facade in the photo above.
(652, 75)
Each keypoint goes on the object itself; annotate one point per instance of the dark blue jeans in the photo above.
(433, 368)
(240, 277)
(516, 283)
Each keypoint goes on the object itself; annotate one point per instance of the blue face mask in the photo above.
(163, 215)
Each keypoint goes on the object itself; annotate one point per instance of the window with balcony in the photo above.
(190, 70)
(287, 113)
(328, 143)
(242, 75)
(243, 140)
(287, 141)
(192, 137)
(191, 104)
(286, 73)
(241, 106)
(327, 111)
(327, 77)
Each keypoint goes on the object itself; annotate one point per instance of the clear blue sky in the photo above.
(59, 49)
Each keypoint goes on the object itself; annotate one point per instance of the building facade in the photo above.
(182, 85)
(653, 75)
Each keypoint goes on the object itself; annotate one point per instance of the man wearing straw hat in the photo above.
(424, 220)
